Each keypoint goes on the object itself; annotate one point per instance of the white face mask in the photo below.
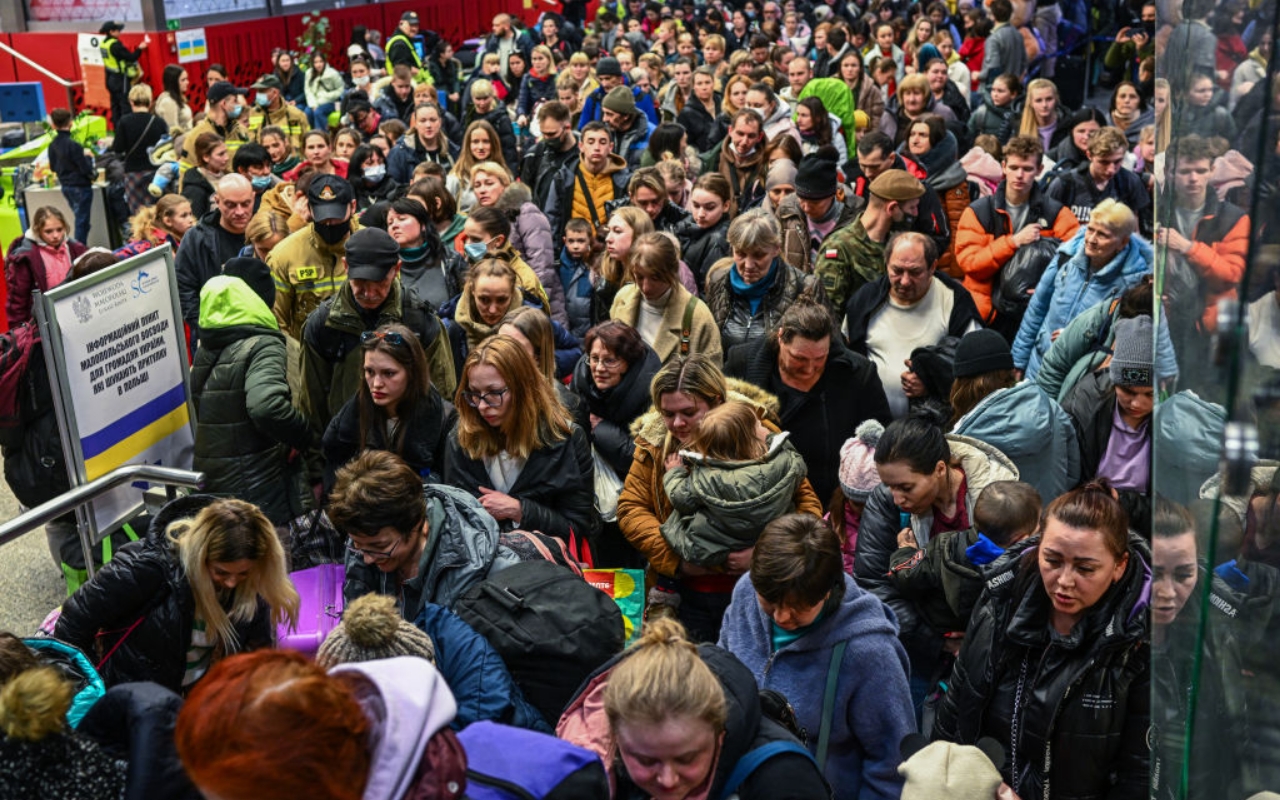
(363, 80)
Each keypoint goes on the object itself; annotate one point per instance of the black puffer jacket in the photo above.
(556, 488)
(821, 419)
(1079, 727)
(702, 247)
(145, 581)
(135, 723)
(427, 428)
(617, 408)
(737, 322)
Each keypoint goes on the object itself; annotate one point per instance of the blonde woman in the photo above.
(537, 86)
(479, 145)
(1041, 112)
(624, 226)
(582, 71)
(208, 580)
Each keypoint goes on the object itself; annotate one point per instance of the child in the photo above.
(946, 577)
(735, 477)
(858, 479)
(1001, 110)
(575, 274)
(71, 163)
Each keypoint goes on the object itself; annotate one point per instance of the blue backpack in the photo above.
(546, 768)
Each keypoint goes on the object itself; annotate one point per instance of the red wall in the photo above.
(245, 47)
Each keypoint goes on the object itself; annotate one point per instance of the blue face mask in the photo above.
(261, 183)
(262, 100)
(475, 250)
(234, 113)
(375, 173)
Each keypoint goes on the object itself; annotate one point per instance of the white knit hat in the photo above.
(858, 475)
(948, 771)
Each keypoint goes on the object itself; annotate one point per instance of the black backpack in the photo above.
(551, 628)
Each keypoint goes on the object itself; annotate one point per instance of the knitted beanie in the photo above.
(620, 100)
(1131, 353)
(781, 173)
(858, 475)
(948, 771)
(816, 178)
(372, 629)
(980, 352)
(256, 273)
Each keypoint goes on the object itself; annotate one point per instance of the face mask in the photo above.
(475, 250)
(1149, 28)
(332, 233)
(363, 80)
(375, 173)
(262, 100)
(261, 183)
(234, 113)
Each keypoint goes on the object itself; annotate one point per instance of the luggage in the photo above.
(547, 768)
(552, 628)
(320, 589)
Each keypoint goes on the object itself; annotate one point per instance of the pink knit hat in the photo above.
(858, 475)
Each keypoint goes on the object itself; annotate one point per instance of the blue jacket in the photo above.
(594, 104)
(873, 701)
(1067, 288)
(475, 673)
(1029, 427)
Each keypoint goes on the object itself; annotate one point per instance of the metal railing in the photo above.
(78, 496)
(53, 76)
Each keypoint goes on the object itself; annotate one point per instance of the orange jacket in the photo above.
(981, 252)
(1219, 245)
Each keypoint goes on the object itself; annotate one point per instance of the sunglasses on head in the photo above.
(390, 337)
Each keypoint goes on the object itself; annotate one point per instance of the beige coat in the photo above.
(704, 335)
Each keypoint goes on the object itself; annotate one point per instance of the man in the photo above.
(307, 265)
(505, 40)
(219, 236)
(854, 255)
(1101, 177)
(372, 296)
(742, 161)
(121, 65)
(557, 149)
(912, 305)
(254, 162)
(991, 230)
(225, 110)
(798, 74)
(629, 128)
(270, 109)
(402, 47)
(1205, 243)
(1005, 51)
(875, 154)
(70, 162)
(395, 101)
(816, 210)
(609, 74)
(829, 57)
(581, 189)
(647, 191)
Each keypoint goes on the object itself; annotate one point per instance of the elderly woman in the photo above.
(914, 98)
(748, 298)
(1099, 263)
(612, 378)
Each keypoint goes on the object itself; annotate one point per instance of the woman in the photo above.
(446, 74)
(625, 225)
(265, 231)
(208, 580)
(1198, 114)
(479, 145)
(490, 291)
(553, 350)
(735, 98)
(977, 27)
(748, 298)
(396, 408)
(40, 260)
(582, 72)
(537, 87)
(430, 192)
(530, 229)
(612, 379)
(929, 483)
(345, 142)
(805, 629)
(934, 148)
(669, 318)
(679, 722)
(323, 89)
(295, 90)
(702, 238)
(171, 105)
(913, 99)
(1099, 263)
(944, 90)
(700, 116)
(487, 233)
(280, 148)
(1071, 150)
(247, 428)
(815, 128)
(1129, 111)
(212, 160)
(1016, 679)
(956, 69)
(317, 149)
(775, 111)
(166, 222)
(135, 134)
(682, 392)
(427, 268)
(1041, 114)
(867, 97)
(517, 67)
(367, 174)
(426, 141)
(487, 106)
(920, 35)
(517, 449)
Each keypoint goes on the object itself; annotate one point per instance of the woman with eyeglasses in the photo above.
(517, 449)
(396, 408)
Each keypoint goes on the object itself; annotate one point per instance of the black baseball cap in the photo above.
(222, 90)
(330, 198)
(410, 17)
(371, 254)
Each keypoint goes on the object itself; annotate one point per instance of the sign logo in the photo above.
(83, 308)
(327, 194)
(143, 283)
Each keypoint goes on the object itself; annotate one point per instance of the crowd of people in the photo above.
(840, 321)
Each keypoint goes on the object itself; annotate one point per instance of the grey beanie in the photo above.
(1131, 353)
(372, 629)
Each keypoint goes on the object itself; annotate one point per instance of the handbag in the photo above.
(608, 486)
(312, 540)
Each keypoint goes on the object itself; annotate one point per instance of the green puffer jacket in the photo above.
(246, 422)
(720, 506)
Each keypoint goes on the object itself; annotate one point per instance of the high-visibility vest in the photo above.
(400, 37)
(113, 64)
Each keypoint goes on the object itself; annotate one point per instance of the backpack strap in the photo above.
(586, 193)
(750, 762)
(686, 327)
(1099, 343)
(829, 702)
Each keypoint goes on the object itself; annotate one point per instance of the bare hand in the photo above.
(912, 386)
(522, 121)
(739, 561)
(907, 538)
(1168, 237)
(674, 460)
(1005, 792)
(1027, 235)
(595, 420)
(500, 506)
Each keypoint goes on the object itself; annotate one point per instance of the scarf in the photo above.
(414, 256)
(753, 293)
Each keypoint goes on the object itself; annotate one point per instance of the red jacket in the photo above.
(24, 272)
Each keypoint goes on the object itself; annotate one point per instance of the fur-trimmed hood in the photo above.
(649, 428)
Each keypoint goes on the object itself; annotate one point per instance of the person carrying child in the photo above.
(733, 478)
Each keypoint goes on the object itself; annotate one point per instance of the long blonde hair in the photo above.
(619, 272)
(231, 530)
(148, 218)
(536, 418)
(1029, 126)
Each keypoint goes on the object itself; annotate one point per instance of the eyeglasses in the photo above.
(608, 362)
(374, 554)
(490, 399)
(390, 337)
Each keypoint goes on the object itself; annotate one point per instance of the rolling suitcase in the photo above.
(320, 589)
